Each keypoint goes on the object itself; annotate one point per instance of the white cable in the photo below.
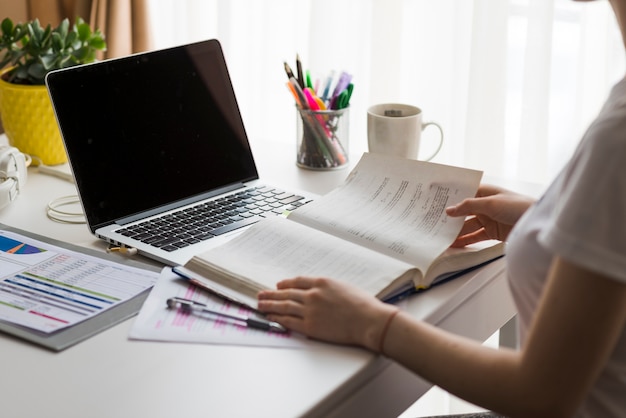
(64, 216)
(28, 160)
(56, 172)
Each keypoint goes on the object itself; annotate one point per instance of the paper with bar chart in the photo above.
(48, 288)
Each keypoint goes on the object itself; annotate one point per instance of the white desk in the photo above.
(110, 376)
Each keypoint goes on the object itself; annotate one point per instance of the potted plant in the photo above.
(29, 52)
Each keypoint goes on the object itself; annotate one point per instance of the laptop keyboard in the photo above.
(209, 219)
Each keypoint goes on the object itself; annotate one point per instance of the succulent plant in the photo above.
(32, 51)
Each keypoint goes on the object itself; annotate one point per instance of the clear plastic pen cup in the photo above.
(322, 138)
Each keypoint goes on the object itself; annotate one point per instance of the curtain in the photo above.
(125, 23)
(514, 83)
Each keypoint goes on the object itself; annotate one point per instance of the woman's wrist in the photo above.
(383, 335)
(375, 336)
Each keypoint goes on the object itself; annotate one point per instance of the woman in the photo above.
(566, 264)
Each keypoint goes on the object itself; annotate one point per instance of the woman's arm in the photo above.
(579, 319)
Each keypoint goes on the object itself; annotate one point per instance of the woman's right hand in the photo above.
(491, 214)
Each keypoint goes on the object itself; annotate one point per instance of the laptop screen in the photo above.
(150, 129)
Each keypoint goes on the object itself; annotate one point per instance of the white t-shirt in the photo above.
(582, 218)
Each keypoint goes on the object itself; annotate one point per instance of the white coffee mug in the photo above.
(396, 129)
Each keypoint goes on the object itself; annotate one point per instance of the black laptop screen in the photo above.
(150, 129)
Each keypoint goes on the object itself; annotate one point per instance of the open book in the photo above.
(384, 229)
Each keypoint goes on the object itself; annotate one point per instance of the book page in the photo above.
(276, 249)
(394, 206)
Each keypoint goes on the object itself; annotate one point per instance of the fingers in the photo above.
(290, 289)
(460, 209)
(471, 238)
(281, 307)
(282, 295)
(471, 225)
(290, 322)
(288, 299)
(298, 283)
(479, 204)
(472, 231)
(466, 207)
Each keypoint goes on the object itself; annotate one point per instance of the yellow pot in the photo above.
(29, 122)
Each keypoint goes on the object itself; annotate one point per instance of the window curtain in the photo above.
(514, 83)
(125, 23)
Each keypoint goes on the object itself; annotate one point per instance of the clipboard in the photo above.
(67, 337)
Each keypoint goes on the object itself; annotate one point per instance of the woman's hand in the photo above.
(492, 214)
(327, 310)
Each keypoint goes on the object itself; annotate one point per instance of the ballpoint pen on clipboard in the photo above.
(190, 306)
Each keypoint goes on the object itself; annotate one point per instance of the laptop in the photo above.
(159, 153)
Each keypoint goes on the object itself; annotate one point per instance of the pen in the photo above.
(189, 276)
(288, 71)
(190, 306)
(299, 70)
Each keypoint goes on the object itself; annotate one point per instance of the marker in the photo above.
(311, 99)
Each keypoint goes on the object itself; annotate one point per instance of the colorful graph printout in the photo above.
(48, 288)
(12, 246)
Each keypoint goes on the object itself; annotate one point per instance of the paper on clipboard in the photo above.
(156, 322)
(46, 288)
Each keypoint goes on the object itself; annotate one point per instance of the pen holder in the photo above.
(322, 138)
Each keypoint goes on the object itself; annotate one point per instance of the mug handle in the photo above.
(435, 124)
